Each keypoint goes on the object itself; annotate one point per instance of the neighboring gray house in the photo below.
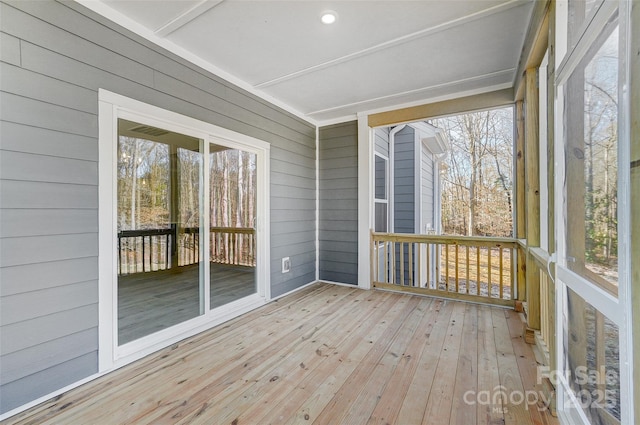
(408, 157)
(407, 183)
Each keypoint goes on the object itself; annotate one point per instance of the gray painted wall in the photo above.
(338, 240)
(53, 59)
(381, 137)
(404, 181)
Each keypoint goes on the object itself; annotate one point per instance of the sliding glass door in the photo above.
(177, 259)
(184, 227)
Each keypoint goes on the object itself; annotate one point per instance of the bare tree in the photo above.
(477, 182)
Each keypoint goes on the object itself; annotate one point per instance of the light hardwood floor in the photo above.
(324, 355)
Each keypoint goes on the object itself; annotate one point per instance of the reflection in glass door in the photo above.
(232, 238)
(159, 228)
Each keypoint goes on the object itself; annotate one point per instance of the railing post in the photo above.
(373, 256)
(522, 274)
(533, 294)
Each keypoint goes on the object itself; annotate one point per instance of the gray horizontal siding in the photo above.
(28, 333)
(17, 365)
(44, 195)
(46, 381)
(27, 139)
(404, 181)
(9, 49)
(41, 276)
(64, 221)
(381, 140)
(338, 193)
(41, 249)
(51, 169)
(29, 84)
(25, 306)
(53, 59)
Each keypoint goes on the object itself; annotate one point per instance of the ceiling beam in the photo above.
(447, 107)
(186, 17)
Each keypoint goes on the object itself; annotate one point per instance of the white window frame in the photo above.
(617, 309)
(387, 184)
(113, 106)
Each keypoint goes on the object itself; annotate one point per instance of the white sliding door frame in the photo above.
(112, 107)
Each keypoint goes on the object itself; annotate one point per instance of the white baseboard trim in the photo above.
(293, 291)
(348, 285)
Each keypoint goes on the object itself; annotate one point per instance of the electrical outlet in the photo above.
(286, 265)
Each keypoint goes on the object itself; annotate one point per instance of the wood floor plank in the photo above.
(388, 407)
(338, 406)
(296, 361)
(515, 411)
(441, 396)
(462, 412)
(254, 361)
(321, 358)
(528, 370)
(489, 411)
(412, 410)
(398, 353)
(309, 396)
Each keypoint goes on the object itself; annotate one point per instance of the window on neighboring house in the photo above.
(381, 195)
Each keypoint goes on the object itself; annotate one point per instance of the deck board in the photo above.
(326, 354)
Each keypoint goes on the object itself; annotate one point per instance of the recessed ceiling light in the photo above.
(329, 17)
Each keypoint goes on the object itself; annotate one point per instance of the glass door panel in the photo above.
(592, 164)
(232, 238)
(592, 360)
(591, 328)
(158, 208)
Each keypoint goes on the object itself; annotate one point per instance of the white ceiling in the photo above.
(379, 55)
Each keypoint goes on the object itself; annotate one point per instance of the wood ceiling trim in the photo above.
(186, 17)
(447, 107)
